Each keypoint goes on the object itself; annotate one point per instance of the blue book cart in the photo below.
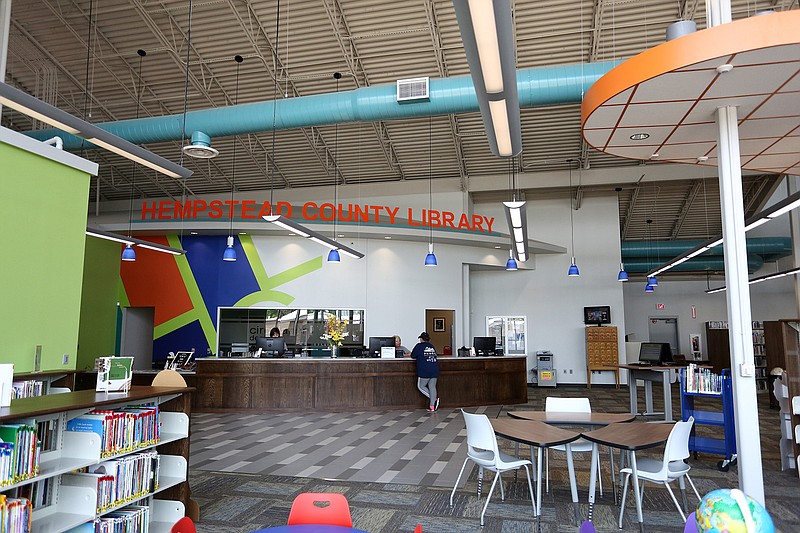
(723, 419)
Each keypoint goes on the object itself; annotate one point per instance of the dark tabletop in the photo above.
(582, 419)
(631, 436)
(533, 433)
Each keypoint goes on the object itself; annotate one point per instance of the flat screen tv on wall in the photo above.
(599, 314)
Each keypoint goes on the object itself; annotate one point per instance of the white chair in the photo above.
(571, 405)
(671, 467)
(482, 449)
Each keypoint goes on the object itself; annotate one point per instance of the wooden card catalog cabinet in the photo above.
(602, 351)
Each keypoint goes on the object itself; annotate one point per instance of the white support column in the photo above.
(740, 327)
(466, 310)
(794, 227)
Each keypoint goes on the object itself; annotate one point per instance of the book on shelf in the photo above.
(120, 430)
(15, 514)
(701, 380)
(114, 374)
(19, 452)
(27, 389)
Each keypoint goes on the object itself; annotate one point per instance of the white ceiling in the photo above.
(81, 56)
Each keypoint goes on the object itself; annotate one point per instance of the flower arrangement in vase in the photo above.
(335, 332)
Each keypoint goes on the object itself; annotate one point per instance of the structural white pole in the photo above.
(740, 327)
(794, 228)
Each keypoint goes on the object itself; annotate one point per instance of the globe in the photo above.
(719, 512)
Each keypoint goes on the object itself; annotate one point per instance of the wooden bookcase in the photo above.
(72, 508)
(602, 351)
(719, 350)
(783, 350)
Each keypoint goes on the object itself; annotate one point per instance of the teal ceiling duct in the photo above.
(541, 86)
(641, 265)
(769, 248)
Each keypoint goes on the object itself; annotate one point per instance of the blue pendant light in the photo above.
(648, 289)
(333, 257)
(573, 269)
(511, 264)
(652, 281)
(128, 254)
(622, 276)
(230, 252)
(430, 259)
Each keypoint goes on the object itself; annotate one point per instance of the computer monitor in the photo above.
(376, 343)
(271, 346)
(484, 346)
(656, 353)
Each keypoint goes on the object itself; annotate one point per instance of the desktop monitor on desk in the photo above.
(655, 353)
(485, 346)
(376, 343)
(270, 346)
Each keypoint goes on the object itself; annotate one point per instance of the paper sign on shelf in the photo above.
(6, 382)
(114, 374)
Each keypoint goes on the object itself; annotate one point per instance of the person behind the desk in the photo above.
(398, 347)
(427, 369)
(274, 332)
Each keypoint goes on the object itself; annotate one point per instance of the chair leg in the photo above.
(600, 475)
(530, 488)
(489, 497)
(622, 500)
(457, 481)
(675, 501)
(480, 481)
(693, 487)
(502, 493)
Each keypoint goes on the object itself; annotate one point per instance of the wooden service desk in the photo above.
(324, 384)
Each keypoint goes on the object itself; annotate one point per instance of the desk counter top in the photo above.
(441, 358)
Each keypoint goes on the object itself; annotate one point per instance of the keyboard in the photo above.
(641, 363)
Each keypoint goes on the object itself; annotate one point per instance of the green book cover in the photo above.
(120, 368)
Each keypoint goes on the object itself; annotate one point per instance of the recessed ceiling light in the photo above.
(497, 247)
(640, 136)
(654, 156)
(702, 158)
(242, 233)
(387, 237)
(192, 233)
(340, 235)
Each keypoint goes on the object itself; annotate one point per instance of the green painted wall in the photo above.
(98, 326)
(42, 236)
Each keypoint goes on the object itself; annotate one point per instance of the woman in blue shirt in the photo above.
(427, 369)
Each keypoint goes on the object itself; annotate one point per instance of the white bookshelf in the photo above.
(71, 505)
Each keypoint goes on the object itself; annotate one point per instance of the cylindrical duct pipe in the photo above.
(536, 87)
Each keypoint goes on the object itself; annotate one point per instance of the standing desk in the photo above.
(649, 374)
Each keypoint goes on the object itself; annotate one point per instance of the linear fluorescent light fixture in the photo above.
(488, 37)
(33, 107)
(759, 279)
(780, 208)
(302, 231)
(133, 241)
(518, 228)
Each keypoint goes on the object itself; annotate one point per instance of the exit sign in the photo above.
(660, 307)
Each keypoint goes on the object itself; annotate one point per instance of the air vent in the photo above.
(412, 90)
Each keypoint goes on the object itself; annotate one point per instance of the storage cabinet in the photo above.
(70, 505)
(719, 350)
(602, 351)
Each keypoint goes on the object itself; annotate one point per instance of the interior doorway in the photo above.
(440, 325)
(136, 337)
(664, 329)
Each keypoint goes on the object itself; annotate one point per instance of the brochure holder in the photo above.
(114, 374)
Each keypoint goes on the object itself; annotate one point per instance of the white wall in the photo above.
(553, 301)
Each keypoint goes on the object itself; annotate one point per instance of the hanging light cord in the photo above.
(337, 76)
(141, 54)
(571, 225)
(430, 178)
(185, 107)
(238, 60)
(274, 103)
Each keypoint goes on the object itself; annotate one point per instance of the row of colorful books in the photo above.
(120, 430)
(26, 389)
(19, 452)
(133, 519)
(120, 480)
(15, 515)
(36, 491)
(702, 380)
